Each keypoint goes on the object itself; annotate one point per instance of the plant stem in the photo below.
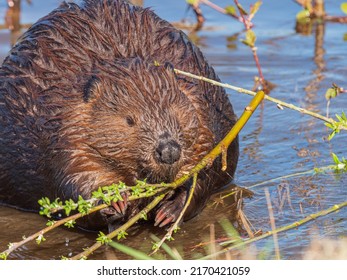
(248, 25)
(219, 9)
(122, 228)
(273, 224)
(56, 224)
(257, 63)
(249, 92)
(173, 227)
(312, 171)
(281, 229)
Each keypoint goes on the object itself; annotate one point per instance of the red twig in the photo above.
(220, 9)
(248, 25)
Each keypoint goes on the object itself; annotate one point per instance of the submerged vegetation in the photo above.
(312, 12)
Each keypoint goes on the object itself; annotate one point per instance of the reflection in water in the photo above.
(313, 87)
(12, 20)
(137, 2)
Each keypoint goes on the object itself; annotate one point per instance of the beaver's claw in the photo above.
(117, 209)
(121, 205)
(168, 213)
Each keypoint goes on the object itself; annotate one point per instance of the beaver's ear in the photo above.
(92, 88)
(169, 66)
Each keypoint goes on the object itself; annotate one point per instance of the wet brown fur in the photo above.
(82, 105)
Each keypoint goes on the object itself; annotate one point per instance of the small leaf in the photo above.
(50, 223)
(231, 10)
(39, 239)
(3, 256)
(70, 224)
(344, 117)
(102, 238)
(344, 7)
(250, 38)
(330, 93)
(303, 16)
(255, 7)
(192, 2)
(335, 158)
(329, 125)
(242, 10)
(331, 135)
(121, 234)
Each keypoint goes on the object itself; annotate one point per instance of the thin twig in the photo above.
(272, 222)
(173, 227)
(122, 228)
(269, 98)
(220, 9)
(16, 245)
(248, 25)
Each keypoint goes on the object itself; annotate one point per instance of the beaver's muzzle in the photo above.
(168, 150)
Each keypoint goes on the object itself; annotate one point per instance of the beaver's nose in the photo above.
(168, 150)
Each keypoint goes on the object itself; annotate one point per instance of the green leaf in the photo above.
(255, 7)
(344, 7)
(144, 215)
(343, 116)
(3, 256)
(102, 238)
(242, 10)
(40, 239)
(84, 206)
(303, 16)
(70, 224)
(231, 10)
(331, 126)
(330, 93)
(335, 158)
(339, 118)
(250, 38)
(50, 223)
(121, 234)
(345, 37)
(331, 135)
(192, 2)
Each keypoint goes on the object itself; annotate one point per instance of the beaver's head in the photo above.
(141, 123)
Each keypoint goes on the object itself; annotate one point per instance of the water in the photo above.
(274, 143)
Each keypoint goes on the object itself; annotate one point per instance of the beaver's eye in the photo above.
(130, 121)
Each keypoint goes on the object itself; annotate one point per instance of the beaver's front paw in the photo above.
(117, 209)
(168, 212)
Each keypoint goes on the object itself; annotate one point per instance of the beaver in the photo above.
(84, 104)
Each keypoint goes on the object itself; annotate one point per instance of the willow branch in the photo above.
(248, 25)
(122, 228)
(220, 9)
(16, 245)
(269, 98)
